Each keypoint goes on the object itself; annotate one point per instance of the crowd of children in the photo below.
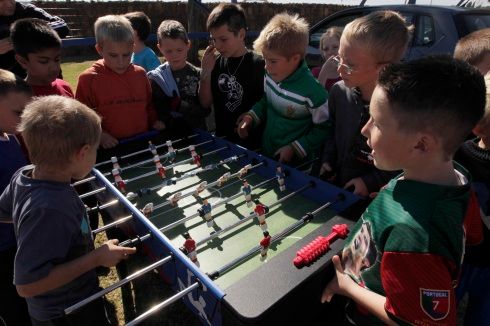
(386, 130)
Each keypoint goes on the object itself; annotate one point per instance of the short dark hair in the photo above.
(32, 35)
(227, 14)
(9, 82)
(436, 93)
(141, 23)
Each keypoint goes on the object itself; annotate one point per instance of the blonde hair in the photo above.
(55, 127)
(113, 28)
(335, 31)
(9, 82)
(383, 33)
(172, 29)
(285, 34)
(473, 47)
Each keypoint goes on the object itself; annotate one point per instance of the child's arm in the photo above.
(252, 118)
(107, 255)
(342, 284)
(207, 66)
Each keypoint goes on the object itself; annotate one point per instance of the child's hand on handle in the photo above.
(244, 122)
(6, 45)
(340, 284)
(284, 154)
(360, 188)
(109, 254)
(158, 125)
(107, 141)
(208, 61)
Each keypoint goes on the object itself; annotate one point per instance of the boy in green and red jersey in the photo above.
(402, 259)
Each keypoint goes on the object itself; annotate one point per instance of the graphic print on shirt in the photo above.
(229, 85)
(360, 253)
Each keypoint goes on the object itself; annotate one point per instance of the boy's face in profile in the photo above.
(42, 67)
(279, 67)
(391, 147)
(116, 55)
(175, 52)
(11, 106)
(226, 42)
(358, 68)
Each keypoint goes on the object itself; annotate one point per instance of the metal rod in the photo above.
(112, 224)
(116, 285)
(146, 149)
(93, 192)
(163, 304)
(305, 219)
(249, 217)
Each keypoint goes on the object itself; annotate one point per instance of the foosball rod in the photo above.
(116, 285)
(236, 174)
(305, 219)
(252, 215)
(128, 217)
(146, 150)
(147, 174)
(144, 162)
(185, 219)
(164, 304)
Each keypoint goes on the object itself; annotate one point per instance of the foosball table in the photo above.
(222, 225)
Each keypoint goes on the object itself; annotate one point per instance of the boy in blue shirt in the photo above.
(142, 56)
(55, 261)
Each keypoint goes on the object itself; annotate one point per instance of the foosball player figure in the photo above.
(115, 163)
(175, 198)
(243, 171)
(265, 243)
(280, 177)
(223, 179)
(205, 212)
(195, 157)
(152, 148)
(261, 210)
(200, 188)
(171, 151)
(189, 248)
(159, 166)
(147, 210)
(247, 192)
(119, 181)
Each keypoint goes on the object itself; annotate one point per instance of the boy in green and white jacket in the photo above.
(294, 105)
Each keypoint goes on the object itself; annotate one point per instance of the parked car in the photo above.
(437, 28)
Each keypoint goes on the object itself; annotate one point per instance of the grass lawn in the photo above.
(72, 69)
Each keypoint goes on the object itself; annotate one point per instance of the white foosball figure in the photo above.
(280, 177)
(115, 163)
(247, 192)
(171, 151)
(223, 179)
(147, 210)
(152, 148)
(243, 171)
(200, 188)
(175, 198)
(205, 212)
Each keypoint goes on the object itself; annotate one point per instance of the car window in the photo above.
(474, 22)
(424, 34)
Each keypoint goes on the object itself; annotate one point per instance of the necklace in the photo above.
(236, 69)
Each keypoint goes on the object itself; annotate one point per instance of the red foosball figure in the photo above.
(261, 210)
(119, 181)
(265, 243)
(159, 166)
(315, 249)
(175, 198)
(115, 163)
(189, 248)
(243, 171)
(223, 179)
(195, 156)
(200, 188)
